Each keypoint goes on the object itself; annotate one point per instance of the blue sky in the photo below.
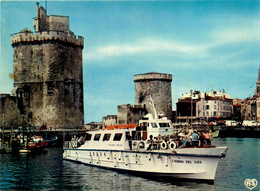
(205, 45)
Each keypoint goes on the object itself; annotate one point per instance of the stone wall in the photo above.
(130, 114)
(10, 115)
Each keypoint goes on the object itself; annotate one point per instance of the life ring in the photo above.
(25, 137)
(163, 145)
(13, 135)
(172, 145)
(141, 145)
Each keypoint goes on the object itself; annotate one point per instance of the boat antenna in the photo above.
(154, 109)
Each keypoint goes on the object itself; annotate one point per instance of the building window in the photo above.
(215, 107)
(215, 113)
(207, 106)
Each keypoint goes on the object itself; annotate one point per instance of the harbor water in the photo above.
(47, 171)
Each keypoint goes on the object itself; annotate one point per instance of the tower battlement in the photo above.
(26, 36)
(152, 76)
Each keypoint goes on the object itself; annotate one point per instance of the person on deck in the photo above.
(188, 139)
(129, 138)
(195, 135)
(138, 130)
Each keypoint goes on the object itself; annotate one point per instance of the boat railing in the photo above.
(149, 145)
(70, 144)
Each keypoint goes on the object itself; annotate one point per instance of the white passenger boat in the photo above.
(139, 149)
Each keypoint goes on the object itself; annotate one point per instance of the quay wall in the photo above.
(63, 135)
(240, 132)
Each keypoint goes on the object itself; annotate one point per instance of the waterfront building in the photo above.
(47, 73)
(248, 109)
(208, 105)
(93, 126)
(186, 107)
(109, 120)
(237, 109)
(214, 104)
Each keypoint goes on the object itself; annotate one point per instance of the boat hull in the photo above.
(201, 164)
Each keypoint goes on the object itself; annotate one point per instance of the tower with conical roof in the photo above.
(257, 88)
(48, 72)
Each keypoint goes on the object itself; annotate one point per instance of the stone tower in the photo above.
(48, 72)
(257, 88)
(158, 85)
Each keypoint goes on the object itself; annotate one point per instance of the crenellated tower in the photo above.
(48, 72)
(158, 86)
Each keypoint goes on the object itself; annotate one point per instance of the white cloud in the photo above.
(163, 47)
(147, 45)
(236, 35)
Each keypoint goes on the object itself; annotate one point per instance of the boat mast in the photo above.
(154, 109)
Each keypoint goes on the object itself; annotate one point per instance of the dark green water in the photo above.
(48, 171)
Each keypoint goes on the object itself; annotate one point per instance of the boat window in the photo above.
(164, 124)
(88, 136)
(97, 137)
(107, 137)
(134, 134)
(117, 136)
(154, 125)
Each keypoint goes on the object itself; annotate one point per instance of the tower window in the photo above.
(50, 88)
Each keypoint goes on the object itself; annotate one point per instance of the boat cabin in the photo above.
(114, 139)
(155, 126)
(120, 137)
